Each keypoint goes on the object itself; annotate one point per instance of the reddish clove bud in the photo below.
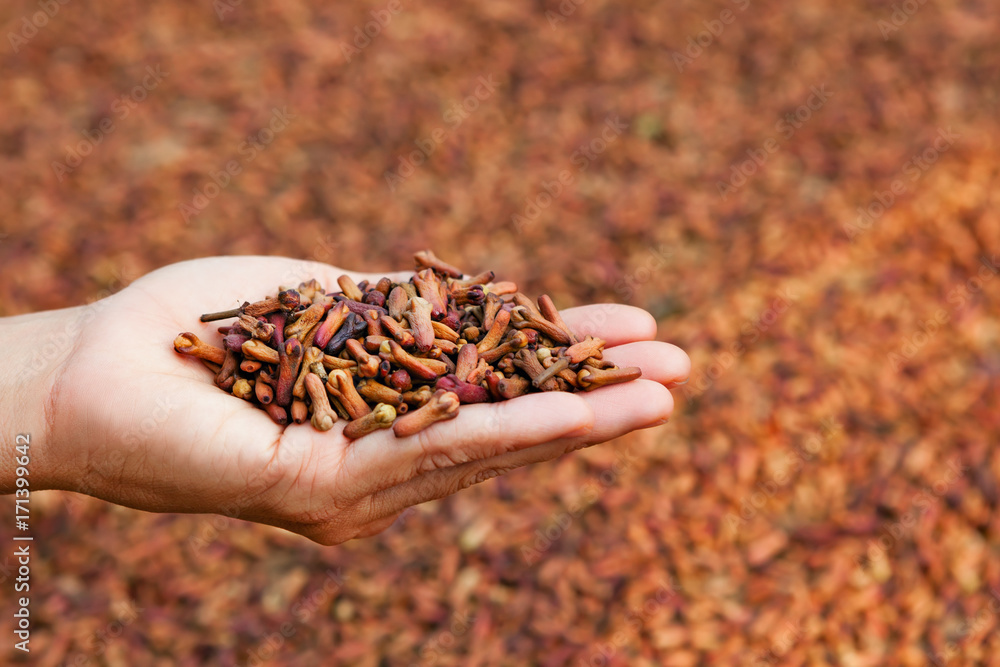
(226, 376)
(299, 411)
(419, 316)
(341, 386)
(188, 343)
(396, 330)
(428, 260)
(443, 405)
(496, 332)
(330, 325)
(429, 287)
(312, 355)
(591, 378)
(323, 416)
(285, 301)
(579, 352)
(516, 340)
(415, 366)
(396, 302)
(288, 370)
(468, 359)
(380, 417)
(250, 366)
(549, 311)
(254, 327)
(367, 364)
(255, 349)
(467, 393)
(376, 392)
(306, 321)
(350, 288)
(399, 380)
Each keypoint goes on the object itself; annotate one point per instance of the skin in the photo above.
(115, 413)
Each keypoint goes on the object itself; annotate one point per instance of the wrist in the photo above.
(40, 345)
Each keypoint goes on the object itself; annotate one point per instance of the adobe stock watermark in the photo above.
(560, 522)
(970, 627)
(99, 640)
(303, 611)
(786, 127)
(453, 118)
(900, 16)
(750, 333)
(114, 459)
(657, 258)
(581, 159)
(566, 9)
(794, 460)
(121, 108)
(892, 532)
(635, 620)
(47, 351)
(249, 149)
(928, 329)
(696, 44)
(444, 641)
(363, 36)
(210, 530)
(789, 637)
(30, 27)
(223, 7)
(913, 170)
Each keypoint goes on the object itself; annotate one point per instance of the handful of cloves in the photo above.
(404, 355)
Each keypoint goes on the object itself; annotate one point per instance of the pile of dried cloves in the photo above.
(403, 355)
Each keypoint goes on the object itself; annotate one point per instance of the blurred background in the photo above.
(804, 195)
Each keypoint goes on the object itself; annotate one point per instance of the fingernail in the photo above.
(671, 385)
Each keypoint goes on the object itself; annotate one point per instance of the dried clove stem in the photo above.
(260, 351)
(377, 392)
(419, 314)
(549, 311)
(415, 366)
(323, 416)
(341, 386)
(224, 314)
(285, 301)
(188, 343)
(380, 417)
(290, 357)
(591, 378)
(329, 326)
(367, 364)
(350, 288)
(443, 405)
(496, 332)
(517, 340)
(582, 350)
(397, 331)
(428, 260)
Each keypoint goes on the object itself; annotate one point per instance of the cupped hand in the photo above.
(137, 424)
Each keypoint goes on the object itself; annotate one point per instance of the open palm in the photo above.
(139, 425)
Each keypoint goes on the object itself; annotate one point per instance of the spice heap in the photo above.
(404, 355)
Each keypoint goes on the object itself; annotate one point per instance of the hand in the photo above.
(131, 421)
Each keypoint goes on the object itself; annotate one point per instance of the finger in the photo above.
(381, 460)
(660, 362)
(618, 409)
(615, 323)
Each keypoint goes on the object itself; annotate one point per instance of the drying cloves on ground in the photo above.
(403, 355)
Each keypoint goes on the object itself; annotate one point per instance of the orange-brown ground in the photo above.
(798, 509)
